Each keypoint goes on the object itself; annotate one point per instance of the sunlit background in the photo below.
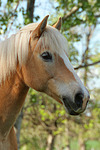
(43, 123)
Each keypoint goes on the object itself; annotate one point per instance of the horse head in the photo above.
(49, 70)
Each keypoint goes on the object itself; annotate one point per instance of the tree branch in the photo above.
(97, 15)
(87, 65)
(73, 10)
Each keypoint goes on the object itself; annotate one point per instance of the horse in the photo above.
(37, 57)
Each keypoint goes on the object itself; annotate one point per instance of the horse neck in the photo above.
(12, 96)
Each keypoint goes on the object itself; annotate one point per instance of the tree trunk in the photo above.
(18, 127)
(67, 131)
(81, 144)
(50, 142)
(30, 9)
(68, 147)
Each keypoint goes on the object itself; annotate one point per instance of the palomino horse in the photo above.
(36, 57)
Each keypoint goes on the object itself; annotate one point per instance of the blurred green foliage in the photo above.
(42, 115)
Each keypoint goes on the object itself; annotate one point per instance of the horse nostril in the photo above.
(79, 99)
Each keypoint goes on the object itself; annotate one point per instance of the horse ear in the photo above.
(40, 28)
(57, 25)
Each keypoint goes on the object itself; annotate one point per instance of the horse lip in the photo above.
(69, 107)
(74, 113)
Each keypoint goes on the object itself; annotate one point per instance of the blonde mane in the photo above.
(15, 49)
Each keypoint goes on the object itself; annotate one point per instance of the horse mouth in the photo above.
(71, 107)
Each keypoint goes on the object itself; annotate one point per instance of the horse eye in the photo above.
(46, 56)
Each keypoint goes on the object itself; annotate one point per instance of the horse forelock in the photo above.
(54, 41)
(15, 49)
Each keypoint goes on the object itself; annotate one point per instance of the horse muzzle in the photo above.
(77, 106)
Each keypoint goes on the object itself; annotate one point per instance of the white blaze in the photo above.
(71, 69)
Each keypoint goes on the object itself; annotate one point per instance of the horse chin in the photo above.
(73, 113)
(71, 108)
